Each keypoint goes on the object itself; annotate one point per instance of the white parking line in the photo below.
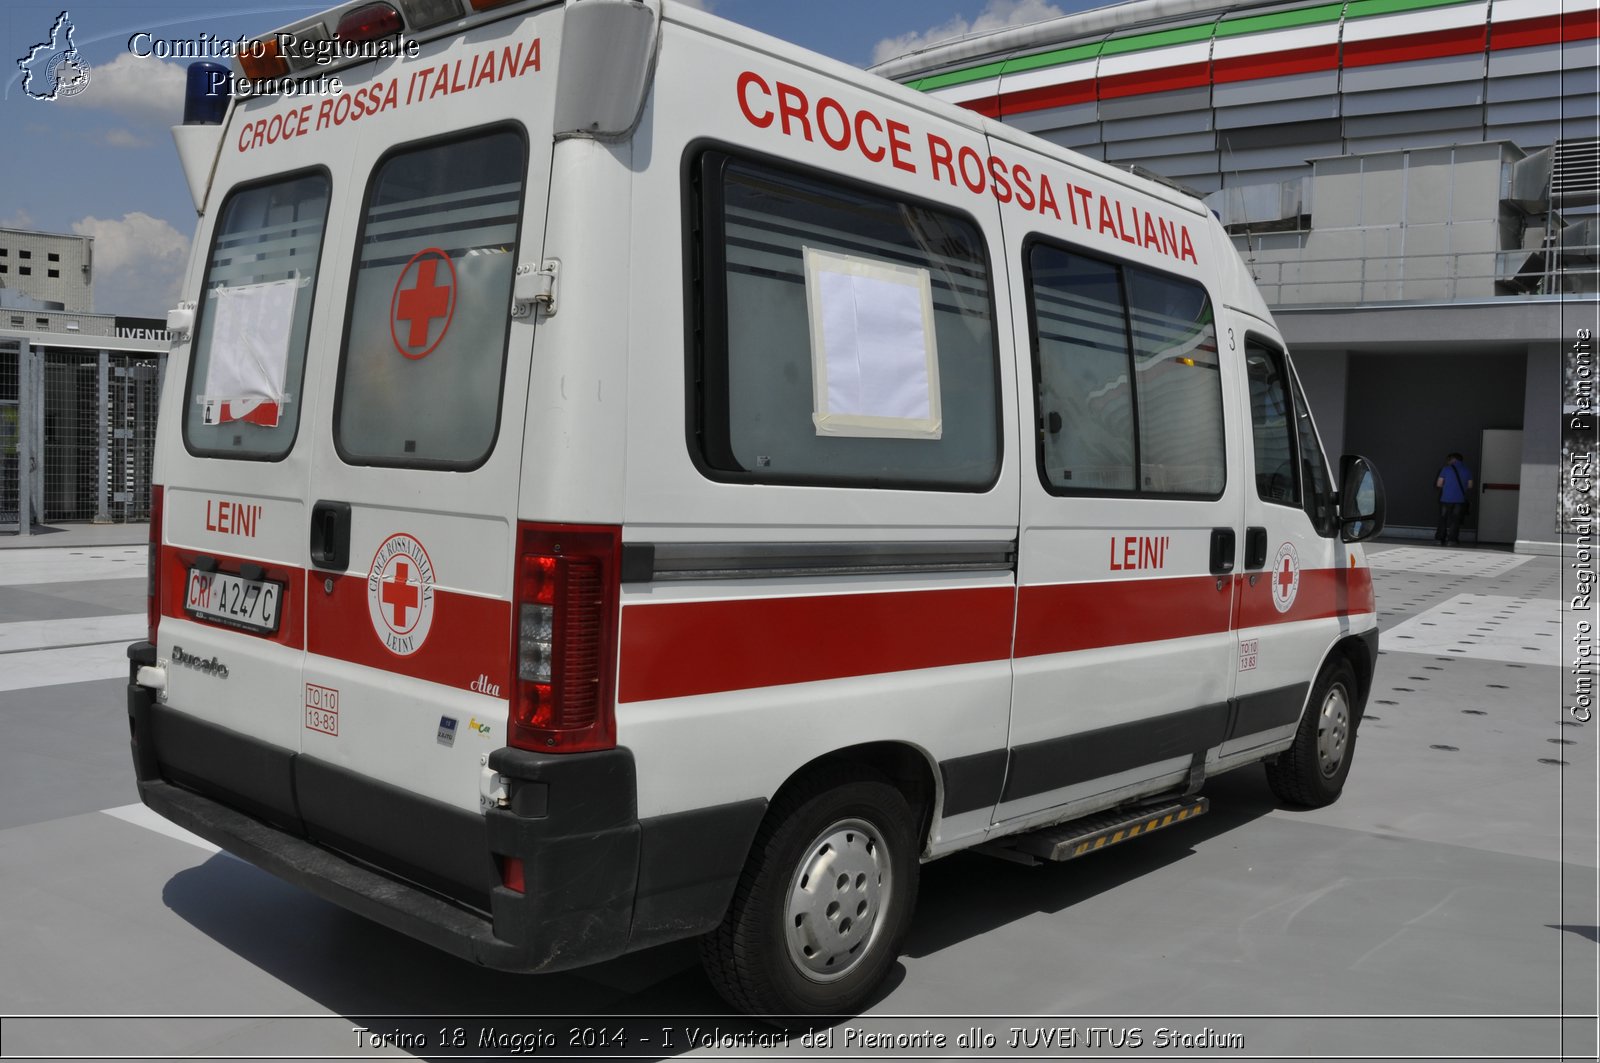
(80, 631)
(75, 664)
(143, 816)
(71, 564)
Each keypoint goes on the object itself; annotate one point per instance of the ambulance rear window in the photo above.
(846, 336)
(247, 364)
(429, 315)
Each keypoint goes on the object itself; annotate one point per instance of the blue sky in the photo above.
(102, 163)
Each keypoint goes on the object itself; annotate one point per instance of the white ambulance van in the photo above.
(625, 478)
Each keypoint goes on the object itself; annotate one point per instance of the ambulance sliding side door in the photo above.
(1130, 525)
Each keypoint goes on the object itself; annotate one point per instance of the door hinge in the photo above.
(180, 321)
(535, 289)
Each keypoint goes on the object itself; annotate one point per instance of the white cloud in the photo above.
(142, 91)
(121, 138)
(17, 219)
(138, 263)
(996, 15)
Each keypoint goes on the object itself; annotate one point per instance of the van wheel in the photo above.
(823, 903)
(1312, 771)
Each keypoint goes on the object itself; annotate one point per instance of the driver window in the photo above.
(1314, 468)
(1272, 426)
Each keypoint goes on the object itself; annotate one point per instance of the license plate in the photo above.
(233, 600)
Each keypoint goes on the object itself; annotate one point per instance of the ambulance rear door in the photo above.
(238, 419)
(414, 474)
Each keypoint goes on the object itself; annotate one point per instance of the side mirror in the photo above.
(1361, 502)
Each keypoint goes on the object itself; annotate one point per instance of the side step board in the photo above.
(1079, 837)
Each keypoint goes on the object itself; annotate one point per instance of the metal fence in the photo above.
(77, 434)
(10, 435)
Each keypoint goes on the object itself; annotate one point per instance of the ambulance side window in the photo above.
(782, 253)
(1272, 426)
(247, 364)
(1085, 371)
(1129, 388)
(1179, 385)
(428, 321)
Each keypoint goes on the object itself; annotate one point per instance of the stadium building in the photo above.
(1414, 183)
(77, 390)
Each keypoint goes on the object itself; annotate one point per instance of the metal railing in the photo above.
(1290, 277)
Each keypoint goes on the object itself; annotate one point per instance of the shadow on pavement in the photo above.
(387, 982)
(946, 914)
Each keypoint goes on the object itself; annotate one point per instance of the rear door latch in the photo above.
(491, 787)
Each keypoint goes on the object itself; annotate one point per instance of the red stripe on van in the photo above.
(675, 649)
(176, 562)
(1062, 617)
(469, 636)
(679, 649)
(1323, 593)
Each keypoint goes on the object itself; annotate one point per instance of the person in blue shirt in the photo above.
(1454, 484)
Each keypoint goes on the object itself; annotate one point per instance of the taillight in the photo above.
(420, 14)
(566, 638)
(513, 874)
(152, 585)
(372, 22)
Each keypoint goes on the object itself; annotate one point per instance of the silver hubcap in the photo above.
(1333, 731)
(837, 900)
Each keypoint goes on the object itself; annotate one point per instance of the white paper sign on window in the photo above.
(874, 362)
(250, 331)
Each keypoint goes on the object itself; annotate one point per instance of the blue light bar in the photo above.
(206, 95)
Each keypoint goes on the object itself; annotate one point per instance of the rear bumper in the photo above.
(598, 882)
(411, 911)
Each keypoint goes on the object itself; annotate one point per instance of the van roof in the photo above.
(323, 26)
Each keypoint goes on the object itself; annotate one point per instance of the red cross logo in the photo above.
(418, 306)
(1285, 577)
(400, 594)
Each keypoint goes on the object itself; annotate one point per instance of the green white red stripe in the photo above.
(1243, 47)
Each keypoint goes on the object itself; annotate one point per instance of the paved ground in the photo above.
(1444, 908)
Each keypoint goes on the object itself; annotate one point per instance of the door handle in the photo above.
(1222, 544)
(1255, 548)
(330, 536)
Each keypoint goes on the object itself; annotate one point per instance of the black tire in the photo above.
(754, 961)
(1312, 771)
